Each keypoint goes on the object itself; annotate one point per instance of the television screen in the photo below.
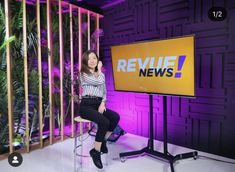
(161, 66)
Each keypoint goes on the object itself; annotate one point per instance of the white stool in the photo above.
(80, 136)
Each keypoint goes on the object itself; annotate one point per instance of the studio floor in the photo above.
(59, 158)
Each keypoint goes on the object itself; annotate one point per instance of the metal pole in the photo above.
(165, 123)
(151, 139)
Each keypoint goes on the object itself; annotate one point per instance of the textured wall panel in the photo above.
(205, 122)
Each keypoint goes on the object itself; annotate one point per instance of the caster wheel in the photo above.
(195, 157)
(123, 160)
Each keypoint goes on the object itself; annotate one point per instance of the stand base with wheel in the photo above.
(149, 150)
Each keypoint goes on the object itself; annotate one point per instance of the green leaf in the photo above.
(7, 41)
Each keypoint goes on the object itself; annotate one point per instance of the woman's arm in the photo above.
(102, 106)
(92, 80)
(104, 98)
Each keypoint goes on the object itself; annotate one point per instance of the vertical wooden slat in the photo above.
(61, 71)
(72, 77)
(9, 74)
(98, 38)
(79, 38)
(79, 46)
(39, 74)
(88, 31)
(26, 75)
(50, 67)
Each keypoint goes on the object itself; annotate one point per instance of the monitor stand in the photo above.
(149, 150)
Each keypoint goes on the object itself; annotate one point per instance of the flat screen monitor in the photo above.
(159, 67)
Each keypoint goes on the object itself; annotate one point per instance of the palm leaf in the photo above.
(7, 41)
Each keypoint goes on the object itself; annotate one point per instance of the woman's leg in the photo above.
(108, 133)
(113, 118)
(91, 114)
(98, 146)
(103, 123)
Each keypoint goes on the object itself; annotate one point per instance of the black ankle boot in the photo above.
(104, 148)
(96, 158)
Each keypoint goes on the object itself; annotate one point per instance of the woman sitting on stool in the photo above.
(92, 106)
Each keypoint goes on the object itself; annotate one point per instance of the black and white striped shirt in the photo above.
(93, 85)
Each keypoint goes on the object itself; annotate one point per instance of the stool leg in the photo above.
(81, 140)
(75, 146)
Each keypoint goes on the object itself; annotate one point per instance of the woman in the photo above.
(92, 106)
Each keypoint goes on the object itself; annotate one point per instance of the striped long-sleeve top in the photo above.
(93, 85)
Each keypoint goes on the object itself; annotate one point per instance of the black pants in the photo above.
(106, 121)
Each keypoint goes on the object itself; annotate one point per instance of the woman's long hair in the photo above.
(85, 58)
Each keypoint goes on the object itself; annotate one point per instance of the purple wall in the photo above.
(205, 123)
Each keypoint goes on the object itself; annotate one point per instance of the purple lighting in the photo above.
(203, 123)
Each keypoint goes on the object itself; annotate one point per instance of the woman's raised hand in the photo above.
(99, 66)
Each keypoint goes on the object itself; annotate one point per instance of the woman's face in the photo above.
(92, 61)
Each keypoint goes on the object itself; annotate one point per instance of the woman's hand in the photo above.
(100, 64)
(102, 108)
(99, 67)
